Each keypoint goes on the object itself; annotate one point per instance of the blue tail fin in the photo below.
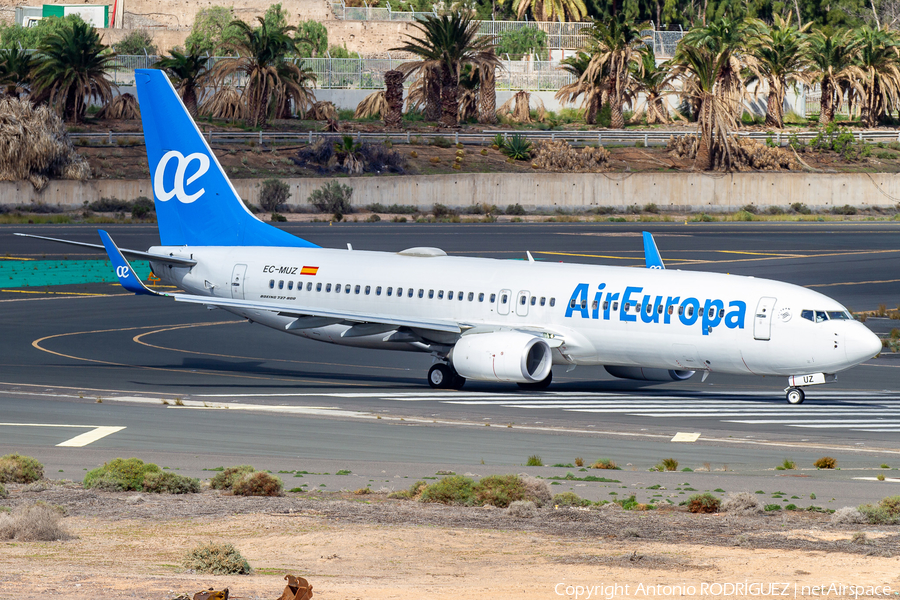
(196, 205)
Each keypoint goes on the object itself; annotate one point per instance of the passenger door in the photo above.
(762, 319)
(522, 303)
(237, 281)
(503, 301)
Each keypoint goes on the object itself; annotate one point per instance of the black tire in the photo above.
(538, 385)
(458, 381)
(795, 396)
(440, 376)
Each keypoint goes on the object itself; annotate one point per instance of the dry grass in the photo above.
(322, 111)
(605, 463)
(227, 104)
(38, 522)
(703, 503)
(257, 484)
(742, 503)
(826, 462)
(372, 105)
(518, 108)
(123, 107)
(522, 509)
(748, 154)
(34, 145)
(560, 157)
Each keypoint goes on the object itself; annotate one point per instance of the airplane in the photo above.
(481, 319)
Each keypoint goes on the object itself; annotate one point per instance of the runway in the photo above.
(250, 392)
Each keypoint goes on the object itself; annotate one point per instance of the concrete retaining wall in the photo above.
(669, 191)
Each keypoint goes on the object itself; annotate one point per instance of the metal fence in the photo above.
(368, 73)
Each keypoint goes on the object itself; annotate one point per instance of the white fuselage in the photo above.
(696, 321)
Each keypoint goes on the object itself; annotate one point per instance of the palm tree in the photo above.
(878, 59)
(261, 59)
(613, 47)
(593, 90)
(447, 43)
(701, 71)
(487, 91)
(550, 10)
(779, 58)
(729, 37)
(189, 71)
(72, 69)
(833, 64)
(16, 71)
(654, 82)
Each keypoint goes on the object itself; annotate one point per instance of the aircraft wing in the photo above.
(132, 254)
(131, 282)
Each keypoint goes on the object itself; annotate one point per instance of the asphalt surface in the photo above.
(251, 394)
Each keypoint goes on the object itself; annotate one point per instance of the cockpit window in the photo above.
(821, 316)
(807, 314)
(839, 315)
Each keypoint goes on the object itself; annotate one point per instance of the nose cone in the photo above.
(862, 344)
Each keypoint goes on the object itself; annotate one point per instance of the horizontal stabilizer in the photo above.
(132, 254)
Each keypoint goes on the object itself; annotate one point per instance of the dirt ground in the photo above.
(250, 161)
(129, 545)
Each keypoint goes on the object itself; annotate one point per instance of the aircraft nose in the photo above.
(862, 344)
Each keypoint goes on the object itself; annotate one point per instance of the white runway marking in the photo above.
(79, 441)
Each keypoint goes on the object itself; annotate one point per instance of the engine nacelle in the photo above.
(645, 374)
(509, 356)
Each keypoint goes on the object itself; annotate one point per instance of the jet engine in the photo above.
(509, 356)
(645, 374)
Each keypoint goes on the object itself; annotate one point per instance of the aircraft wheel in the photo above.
(538, 385)
(440, 376)
(795, 396)
(458, 381)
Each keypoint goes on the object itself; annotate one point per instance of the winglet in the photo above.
(127, 277)
(651, 253)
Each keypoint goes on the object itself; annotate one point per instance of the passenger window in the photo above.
(328, 288)
(399, 292)
(356, 290)
(534, 300)
(493, 298)
(347, 289)
(369, 289)
(637, 307)
(281, 285)
(421, 293)
(712, 312)
(318, 287)
(309, 286)
(471, 296)
(615, 304)
(671, 309)
(431, 294)
(594, 305)
(626, 306)
(290, 285)
(721, 312)
(440, 294)
(543, 300)
(552, 301)
(503, 299)
(271, 284)
(821, 317)
(572, 303)
(459, 296)
(409, 293)
(659, 309)
(680, 310)
(481, 297)
(605, 304)
(690, 311)
(450, 295)
(649, 309)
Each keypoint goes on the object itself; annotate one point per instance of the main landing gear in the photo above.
(444, 377)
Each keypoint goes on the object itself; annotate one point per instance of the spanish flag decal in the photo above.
(309, 270)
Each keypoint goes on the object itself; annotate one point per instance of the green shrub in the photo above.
(412, 493)
(120, 474)
(499, 490)
(534, 461)
(166, 482)
(442, 212)
(515, 209)
(141, 207)
(517, 147)
(441, 142)
(3, 492)
(570, 499)
(333, 197)
(217, 559)
(455, 489)
(259, 483)
(787, 465)
(799, 207)
(826, 462)
(667, 464)
(742, 215)
(772, 507)
(703, 503)
(844, 210)
(225, 479)
(886, 512)
(273, 194)
(16, 468)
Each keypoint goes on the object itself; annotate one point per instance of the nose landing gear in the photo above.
(795, 395)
